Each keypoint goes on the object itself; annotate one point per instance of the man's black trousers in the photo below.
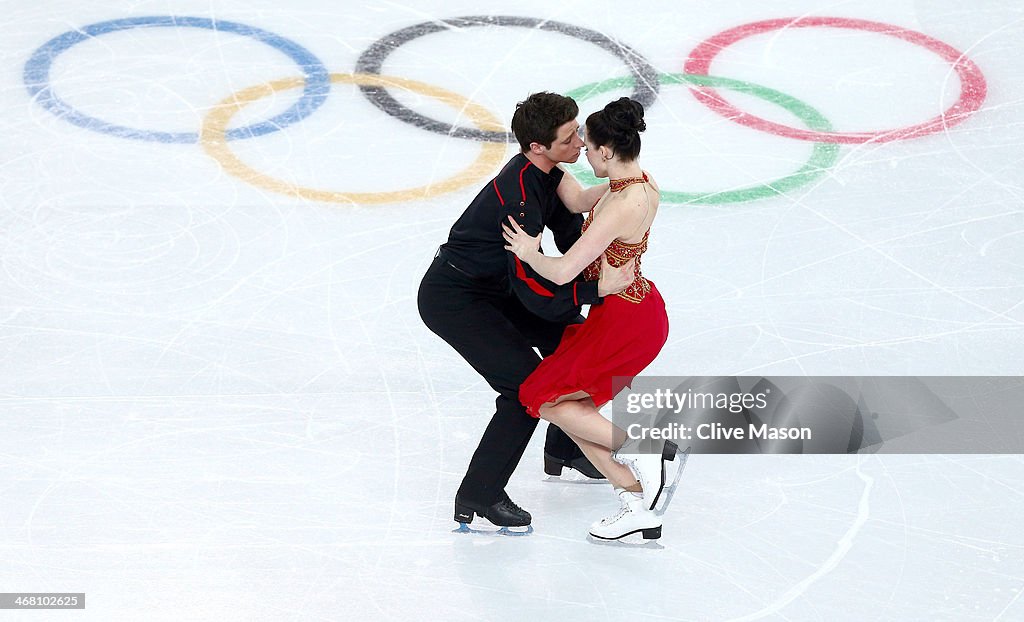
(490, 328)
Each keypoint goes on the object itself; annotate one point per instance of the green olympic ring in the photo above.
(823, 155)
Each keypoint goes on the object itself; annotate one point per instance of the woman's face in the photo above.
(595, 158)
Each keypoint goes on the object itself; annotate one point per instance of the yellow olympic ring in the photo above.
(216, 145)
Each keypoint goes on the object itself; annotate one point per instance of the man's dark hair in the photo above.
(538, 117)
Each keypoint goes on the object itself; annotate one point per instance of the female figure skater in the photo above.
(620, 337)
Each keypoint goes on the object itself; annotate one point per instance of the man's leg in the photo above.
(559, 446)
(499, 452)
(559, 449)
(469, 318)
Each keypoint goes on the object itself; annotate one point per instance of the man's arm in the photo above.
(615, 217)
(546, 299)
(520, 197)
(563, 302)
(565, 226)
(614, 280)
(577, 198)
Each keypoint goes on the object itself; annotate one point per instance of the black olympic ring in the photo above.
(371, 61)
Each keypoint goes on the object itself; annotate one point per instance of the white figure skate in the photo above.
(632, 517)
(648, 468)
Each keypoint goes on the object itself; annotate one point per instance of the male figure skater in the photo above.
(494, 309)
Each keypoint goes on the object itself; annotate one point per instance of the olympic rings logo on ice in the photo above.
(37, 76)
(644, 80)
(972, 82)
(823, 155)
(214, 139)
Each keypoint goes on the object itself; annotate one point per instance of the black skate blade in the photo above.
(498, 531)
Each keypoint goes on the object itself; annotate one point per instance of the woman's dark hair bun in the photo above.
(618, 126)
(626, 114)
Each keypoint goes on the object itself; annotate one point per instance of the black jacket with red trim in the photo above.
(476, 247)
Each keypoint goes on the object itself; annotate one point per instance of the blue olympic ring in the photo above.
(37, 77)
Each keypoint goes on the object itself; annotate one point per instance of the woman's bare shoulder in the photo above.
(652, 182)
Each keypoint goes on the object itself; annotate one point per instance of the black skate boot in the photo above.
(553, 466)
(560, 451)
(504, 513)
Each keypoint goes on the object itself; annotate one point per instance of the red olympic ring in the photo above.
(972, 83)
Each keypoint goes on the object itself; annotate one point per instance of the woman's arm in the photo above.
(615, 219)
(577, 198)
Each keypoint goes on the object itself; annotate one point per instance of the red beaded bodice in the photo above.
(619, 252)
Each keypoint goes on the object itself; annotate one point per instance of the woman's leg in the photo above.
(601, 457)
(581, 418)
(594, 434)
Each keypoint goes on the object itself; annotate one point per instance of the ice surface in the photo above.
(219, 401)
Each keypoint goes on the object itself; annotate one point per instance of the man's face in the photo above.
(567, 144)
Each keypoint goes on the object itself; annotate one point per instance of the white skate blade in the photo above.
(634, 541)
(670, 490)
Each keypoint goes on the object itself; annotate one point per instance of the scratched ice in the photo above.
(219, 402)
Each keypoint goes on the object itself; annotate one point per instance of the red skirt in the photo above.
(618, 339)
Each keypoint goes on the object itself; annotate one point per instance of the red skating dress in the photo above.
(619, 338)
